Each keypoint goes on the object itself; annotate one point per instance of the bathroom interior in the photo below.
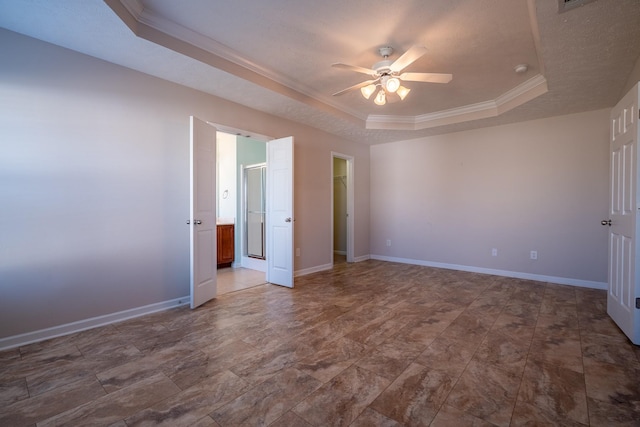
(240, 182)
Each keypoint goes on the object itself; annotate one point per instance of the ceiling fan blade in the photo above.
(355, 68)
(426, 77)
(407, 58)
(354, 87)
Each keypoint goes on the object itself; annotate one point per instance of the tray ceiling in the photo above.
(276, 55)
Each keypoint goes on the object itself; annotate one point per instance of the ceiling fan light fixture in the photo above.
(403, 92)
(392, 84)
(381, 98)
(386, 76)
(367, 91)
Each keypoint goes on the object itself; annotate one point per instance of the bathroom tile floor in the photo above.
(236, 279)
(366, 344)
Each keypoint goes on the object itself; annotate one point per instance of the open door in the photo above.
(202, 218)
(280, 211)
(623, 303)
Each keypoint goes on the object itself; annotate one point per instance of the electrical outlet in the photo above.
(388, 242)
(494, 252)
(533, 255)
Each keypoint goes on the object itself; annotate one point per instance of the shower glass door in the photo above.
(255, 213)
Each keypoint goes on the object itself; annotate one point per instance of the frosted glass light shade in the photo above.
(403, 92)
(381, 99)
(392, 84)
(367, 91)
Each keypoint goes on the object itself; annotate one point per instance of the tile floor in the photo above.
(236, 279)
(366, 344)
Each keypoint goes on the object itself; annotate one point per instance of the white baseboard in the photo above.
(326, 266)
(505, 273)
(82, 325)
(312, 270)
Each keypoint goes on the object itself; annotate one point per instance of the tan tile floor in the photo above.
(366, 344)
(236, 279)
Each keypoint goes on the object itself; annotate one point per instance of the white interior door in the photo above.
(280, 211)
(202, 218)
(624, 289)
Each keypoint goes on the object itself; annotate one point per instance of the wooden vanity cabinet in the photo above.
(225, 242)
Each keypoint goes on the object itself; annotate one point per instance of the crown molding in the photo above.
(198, 40)
(511, 99)
(134, 7)
(200, 47)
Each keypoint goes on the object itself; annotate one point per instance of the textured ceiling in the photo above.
(478, 41)
(276, 55)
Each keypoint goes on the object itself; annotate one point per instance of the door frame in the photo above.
(238, 132)
(350, 204)
(233, 131)
(239, 225)
(245, 261)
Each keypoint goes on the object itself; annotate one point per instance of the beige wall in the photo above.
(226, 177)
(538, 185)
(94, 185)
(633, 78)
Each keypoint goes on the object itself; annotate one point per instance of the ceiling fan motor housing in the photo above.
(385, 51)
(383, 67)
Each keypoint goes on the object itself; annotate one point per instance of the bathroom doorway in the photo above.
(233, 152)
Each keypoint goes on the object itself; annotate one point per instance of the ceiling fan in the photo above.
(387, 74)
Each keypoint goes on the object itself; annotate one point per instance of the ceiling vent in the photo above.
(565, 5)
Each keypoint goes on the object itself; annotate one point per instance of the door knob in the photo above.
(606, 222)
(198, 222)
(287, 220)
(188, 222)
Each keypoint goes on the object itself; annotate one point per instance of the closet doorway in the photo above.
(342, 208)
